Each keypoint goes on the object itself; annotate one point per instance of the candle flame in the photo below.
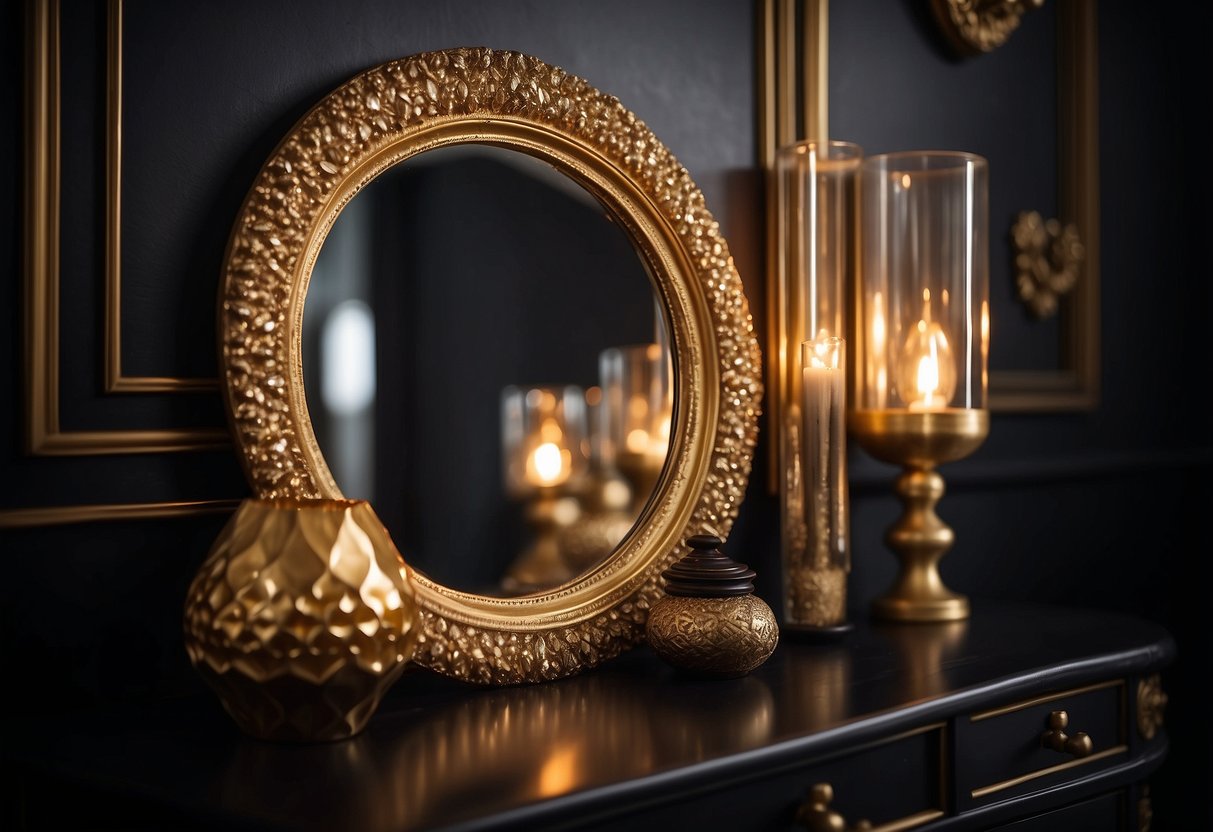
(548, 464)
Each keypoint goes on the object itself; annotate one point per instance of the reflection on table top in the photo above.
(440, 753)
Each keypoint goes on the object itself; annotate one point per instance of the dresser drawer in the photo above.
(894, 784)
(1002, 753)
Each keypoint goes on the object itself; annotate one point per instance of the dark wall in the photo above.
(1091, 508)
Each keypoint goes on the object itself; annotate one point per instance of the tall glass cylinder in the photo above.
(815, 184)
(923, 300)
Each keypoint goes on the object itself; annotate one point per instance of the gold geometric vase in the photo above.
(301, 617)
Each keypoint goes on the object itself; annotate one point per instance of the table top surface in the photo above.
(439, 753)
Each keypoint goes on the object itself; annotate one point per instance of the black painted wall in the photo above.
(1094, 508)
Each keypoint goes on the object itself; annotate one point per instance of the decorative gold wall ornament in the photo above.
(1151, 703)
(392, 112)
(301, 617)
(976, 26)
(1048, 259)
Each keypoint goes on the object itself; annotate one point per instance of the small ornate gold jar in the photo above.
(710, 623)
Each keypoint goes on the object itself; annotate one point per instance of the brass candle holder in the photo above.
(919, 441)
(545, 460)
(923, 321)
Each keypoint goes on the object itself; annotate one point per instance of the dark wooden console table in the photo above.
(912, 726)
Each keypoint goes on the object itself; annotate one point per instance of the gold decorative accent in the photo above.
(1040, 700)
(301, 617)
(1077, 744)
(1151, 703)
(25, 518)
(973, 27)
(1047, 261)
(1045, 772)
(1145, 809)
(816, 815)
(919, 441)
(713, 636)
(41, 261)
(392, 112)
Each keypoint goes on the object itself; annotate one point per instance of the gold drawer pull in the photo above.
(1077, 744)
(815, 813)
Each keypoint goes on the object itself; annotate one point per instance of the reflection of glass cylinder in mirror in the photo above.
(545, 457)
(606, 498)
(637, 389)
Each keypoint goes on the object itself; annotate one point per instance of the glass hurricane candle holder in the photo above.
(922, 322)
(546, 458)
(815, 184)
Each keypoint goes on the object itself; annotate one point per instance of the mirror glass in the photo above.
(486, 361)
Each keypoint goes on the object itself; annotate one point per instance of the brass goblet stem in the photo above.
(920, 540)
(918, 441)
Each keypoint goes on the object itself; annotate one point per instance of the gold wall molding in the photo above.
(115, 380)
(26, 518)
(44, 436)
(1075, 385)
(794, 62)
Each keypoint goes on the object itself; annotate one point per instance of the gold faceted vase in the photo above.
(301, 617)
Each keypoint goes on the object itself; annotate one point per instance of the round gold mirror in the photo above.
(429, 103)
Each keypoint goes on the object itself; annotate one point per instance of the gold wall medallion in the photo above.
(976, 26)
(392, 112)
(1151, 704)
(1048, 261)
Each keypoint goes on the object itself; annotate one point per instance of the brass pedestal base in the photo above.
(920, 440)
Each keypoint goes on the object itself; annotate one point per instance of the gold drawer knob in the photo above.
(815, 813)
(1077, 744)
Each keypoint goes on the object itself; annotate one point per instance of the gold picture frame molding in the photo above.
(794, 93)
(44, 436)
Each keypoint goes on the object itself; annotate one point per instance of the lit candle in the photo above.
(815, 571)
(926, 369)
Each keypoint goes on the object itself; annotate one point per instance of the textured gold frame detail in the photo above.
(397, 110)
(43, 434)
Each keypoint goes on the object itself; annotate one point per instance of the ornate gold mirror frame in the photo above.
(397, 110)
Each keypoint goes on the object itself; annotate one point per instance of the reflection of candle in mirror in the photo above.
(926, 369)
(549, 463)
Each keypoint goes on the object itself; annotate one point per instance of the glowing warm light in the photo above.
(559, 773)
(548, 465)
(926, 369)
(637, 441)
